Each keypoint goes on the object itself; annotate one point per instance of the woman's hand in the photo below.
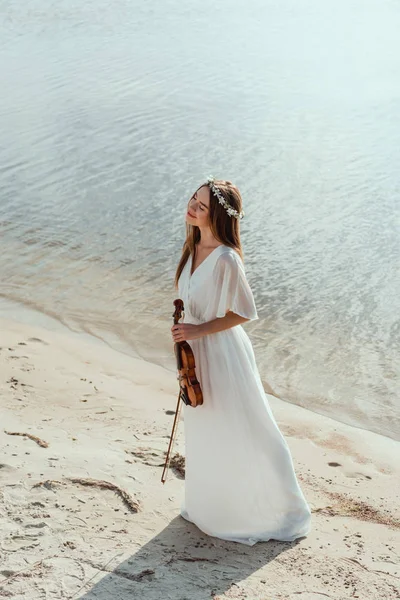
(186, 331)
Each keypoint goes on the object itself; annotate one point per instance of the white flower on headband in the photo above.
(232, 212)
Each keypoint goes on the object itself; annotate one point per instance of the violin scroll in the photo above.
(178, 303)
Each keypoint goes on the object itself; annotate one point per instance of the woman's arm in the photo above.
(191, 331)
(220, 324)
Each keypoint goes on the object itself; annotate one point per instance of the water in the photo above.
(111, 114)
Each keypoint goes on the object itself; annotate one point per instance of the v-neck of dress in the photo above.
(202, 262)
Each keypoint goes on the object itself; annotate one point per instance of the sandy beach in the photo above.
(84, 430)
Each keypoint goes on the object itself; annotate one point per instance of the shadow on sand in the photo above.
(181, 563)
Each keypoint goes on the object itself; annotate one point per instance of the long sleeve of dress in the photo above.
(232, 291)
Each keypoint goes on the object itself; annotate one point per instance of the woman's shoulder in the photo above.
(228, 256)
(227, 251)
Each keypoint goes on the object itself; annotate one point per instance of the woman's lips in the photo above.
(190, 215)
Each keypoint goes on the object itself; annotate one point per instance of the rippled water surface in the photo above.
(111, 114)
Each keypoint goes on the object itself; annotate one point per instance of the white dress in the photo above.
(240, 483)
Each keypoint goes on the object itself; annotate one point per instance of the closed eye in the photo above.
(202, 206)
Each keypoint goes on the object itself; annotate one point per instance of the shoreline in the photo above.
(23, 313)
(107, 417)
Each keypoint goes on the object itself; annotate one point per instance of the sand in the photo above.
(84, 430)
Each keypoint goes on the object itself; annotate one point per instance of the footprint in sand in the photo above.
(356, 475)
(21, 542)
(24, 366)
(35, 525)
(15, 382)
(35, 339)
(6, 470)
(148, 456)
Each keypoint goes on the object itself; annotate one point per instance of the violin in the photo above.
(189, 387)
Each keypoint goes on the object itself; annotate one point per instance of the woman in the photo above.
(240, 483)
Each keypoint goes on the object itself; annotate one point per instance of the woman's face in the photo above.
(198, 207)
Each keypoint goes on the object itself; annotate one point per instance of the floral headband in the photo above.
(229, 209)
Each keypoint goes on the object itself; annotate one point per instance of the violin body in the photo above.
(190, 388)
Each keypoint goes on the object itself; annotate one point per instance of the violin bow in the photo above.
(172, 439)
